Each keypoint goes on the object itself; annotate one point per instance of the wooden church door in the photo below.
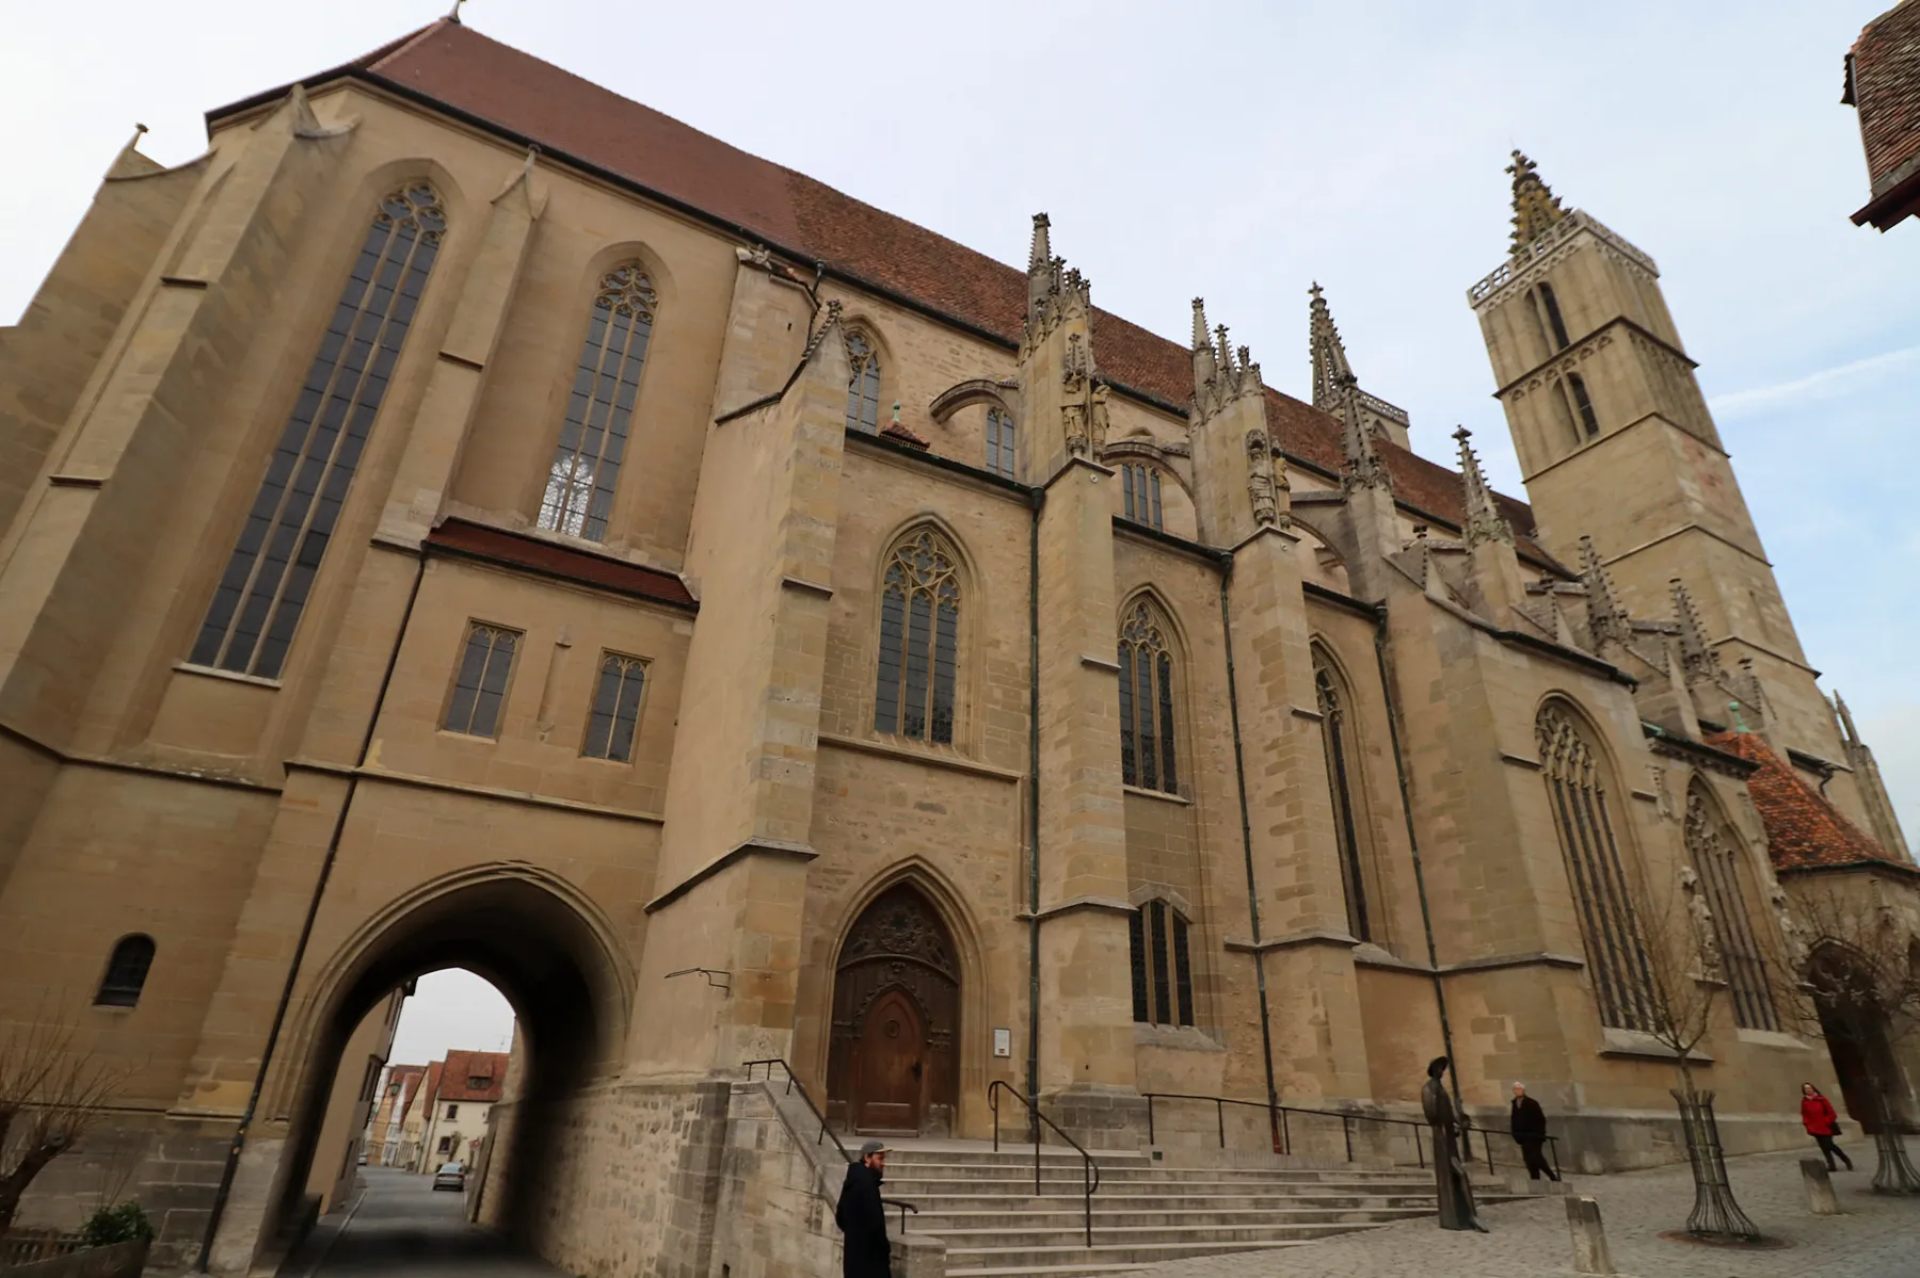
(893, 1063)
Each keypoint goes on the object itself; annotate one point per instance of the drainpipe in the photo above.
(1246, 842)
(1380, 644)
(221, 1194)
(1036, 498)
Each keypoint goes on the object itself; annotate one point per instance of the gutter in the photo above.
(1036, 500)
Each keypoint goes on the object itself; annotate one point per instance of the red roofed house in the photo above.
(1883, 86)
(461, 520)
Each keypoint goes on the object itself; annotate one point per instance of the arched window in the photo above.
(1140, 494)
(1582, 405)
(126, 972)
(1162, 966)
(1000, 442)
(1549, 312)
(616, 708)
(1146, 701)
(1716, 858)
(919, 641)
(1336, 739)
(863, 392)
(480, 684)
(1609, 926)
(593, 440)
(257, 605)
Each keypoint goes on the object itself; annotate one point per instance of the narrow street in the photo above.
(404, 1228)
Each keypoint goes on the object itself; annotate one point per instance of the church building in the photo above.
(467, 518)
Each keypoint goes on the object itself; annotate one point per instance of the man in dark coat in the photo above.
(1528, 1123)
(863, 1218)
(1450, 1178)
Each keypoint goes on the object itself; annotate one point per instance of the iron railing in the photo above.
(794, 1085)
(1089, 1170)
(904, 1207)
(1280, 1122)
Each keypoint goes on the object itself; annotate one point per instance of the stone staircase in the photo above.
(982, 1205)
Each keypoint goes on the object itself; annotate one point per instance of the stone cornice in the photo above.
(1520, 270)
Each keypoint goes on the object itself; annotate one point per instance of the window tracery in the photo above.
(1146, 701)
(863, 391)
(919, 641)
(1162, 965)
(606, 382)
(1140, 495)
(1335, 740)
(1000, 459)
(1717, 861)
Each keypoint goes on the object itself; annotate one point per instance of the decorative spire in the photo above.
(1484, 522)
(1040, 255)
(1852, 734)
(1205, 367)
(1697, 656)
(1200, 341)
(1223, 351)
(1606, 619)
(1535, 207)
(1360, 466)
(1331, 371)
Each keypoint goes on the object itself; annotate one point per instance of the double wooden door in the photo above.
(893, 1065)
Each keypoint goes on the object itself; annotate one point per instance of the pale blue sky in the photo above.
(1241, 150)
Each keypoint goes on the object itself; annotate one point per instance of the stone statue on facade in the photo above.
(1702, 915)
(1790, 936)
(1262, 489)
(1097, 419)
(1449, 1173)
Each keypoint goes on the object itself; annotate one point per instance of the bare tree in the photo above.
(50, 1094)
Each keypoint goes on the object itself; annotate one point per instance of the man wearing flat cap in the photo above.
(862, 1217)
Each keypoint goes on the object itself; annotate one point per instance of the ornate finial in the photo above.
(1199, 323)
(1332, 373)
(1223, 350)
(1360, 466)
(1739, 720)
(1605, 617)
(1535, 207)
(453, 14)
(1852, 734)
(1040, 256)
(1484, 522)
(1697, 656)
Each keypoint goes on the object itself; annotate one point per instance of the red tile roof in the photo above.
(1883, 84)
(549, 559)
(532, 100)
(473, 1076)
(1804, 829)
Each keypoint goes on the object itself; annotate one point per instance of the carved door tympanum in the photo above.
(893, 1059)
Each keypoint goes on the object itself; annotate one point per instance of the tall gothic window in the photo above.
(1582, 404)
(1140, 495)
(480, 685)
(126, 972)
(1000, 442)
(919, 641)
(863, 392)
(616, 708)
(1549, 313)
(1162, 965)
(1336, 739)
(1616, 948)
(1146, 701)
(257, 605)
(593, 440)
(1716, 858)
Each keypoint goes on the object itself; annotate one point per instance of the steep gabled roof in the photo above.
(1804, 829)
(473, 1076)
(526, 99)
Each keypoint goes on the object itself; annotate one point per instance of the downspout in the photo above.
(306, 931)
(1413, 846)
(1246, 843)
(1036, 498)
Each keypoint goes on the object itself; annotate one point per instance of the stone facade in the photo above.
(647, 761)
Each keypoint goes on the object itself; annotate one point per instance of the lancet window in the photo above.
(480, 685)
(1582, 404)
(1162, 965)
(257, 605)
(1716, 859)
(1336, 739)
(616, 708)
(919, 641)
(593, 439)
(1609, 925)
(1000, 442)
(126, 972)
(1547, 311)
(1146, 701)
(863, 391)
(1140, 495)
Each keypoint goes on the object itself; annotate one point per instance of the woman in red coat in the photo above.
(1817, 1116)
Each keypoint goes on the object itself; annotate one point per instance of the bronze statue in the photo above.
(1449, 1174)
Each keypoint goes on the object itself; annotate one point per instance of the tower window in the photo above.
(481, 684)
(593, 440)
(1549, 310)
(919, 641)
(1583, 405)
(257, 605)
(616, 708)
(863, 391)
(126, 972)
(1161, 961)
(1140, 495)
(1000, 442)
(1146, 702)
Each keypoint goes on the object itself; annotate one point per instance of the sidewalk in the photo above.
(1879, 1237)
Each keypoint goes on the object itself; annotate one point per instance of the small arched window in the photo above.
(593, 439)
(863, 391)
(1146, 701)
(1336, 739)
(126, 972)
(1549, 311)
(1716, 858)
(919, 641)
(1000, 442)
(1140, 495)
(1582, 405)
(1162, 965)
(1609, 925)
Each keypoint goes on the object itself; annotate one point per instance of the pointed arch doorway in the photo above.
(893, 1062)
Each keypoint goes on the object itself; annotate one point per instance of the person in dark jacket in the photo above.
(1817, 1116)
(1528, 1123)
(863, 1218)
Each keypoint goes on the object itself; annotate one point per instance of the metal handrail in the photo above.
(1090, 1170)
(904, 1207)
(1278, 1116)
(794, 1084)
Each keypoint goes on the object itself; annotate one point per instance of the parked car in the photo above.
(451, 1176)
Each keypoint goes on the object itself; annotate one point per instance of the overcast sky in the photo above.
(1241, 151)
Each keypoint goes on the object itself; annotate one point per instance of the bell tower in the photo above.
(1616, 443)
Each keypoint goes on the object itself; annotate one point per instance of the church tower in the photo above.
(1616, 443)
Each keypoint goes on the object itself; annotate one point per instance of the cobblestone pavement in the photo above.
(1878, 1237)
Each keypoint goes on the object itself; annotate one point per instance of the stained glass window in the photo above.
(593, 439)
(1716, 858)
(1146, 702)
(919, 641)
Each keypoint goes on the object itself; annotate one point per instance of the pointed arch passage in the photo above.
(593, 439)
(1609, 925)
(257, 605)
(1716, 857)
(1336, 740)
(893, 1059)
(919, 640)
(1146, 701)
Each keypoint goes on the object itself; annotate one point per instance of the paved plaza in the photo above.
(1878, 1237)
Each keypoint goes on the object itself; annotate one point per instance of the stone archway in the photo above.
(893, 1062)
